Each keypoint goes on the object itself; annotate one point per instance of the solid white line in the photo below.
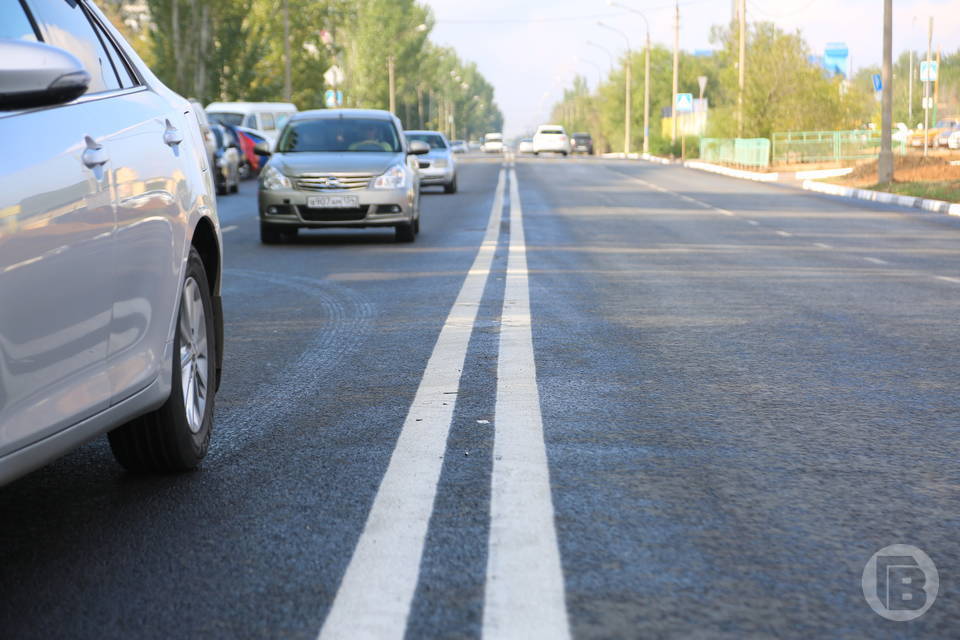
(524, 596)
(947, 279)
(753, 222)
(785, 234)
(374, 598)
(229, 228)
(822, 245)
(875, 260)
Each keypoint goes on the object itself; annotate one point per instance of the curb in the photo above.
(937, 206)
(733, 173)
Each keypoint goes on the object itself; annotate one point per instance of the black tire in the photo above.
(405, 232)
(163, 440)
(416, 225)
(236, 183)
(451, 187)
(221, 187)
(270, 234)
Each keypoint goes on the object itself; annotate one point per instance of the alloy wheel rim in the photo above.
(193, 354)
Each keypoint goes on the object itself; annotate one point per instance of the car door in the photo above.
(56, 259)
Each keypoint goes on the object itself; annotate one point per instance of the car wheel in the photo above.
(176, 436)
(236, 182)
(451, 187)
(405, 232)
(221, 187)
(270, 234)
(416, 225)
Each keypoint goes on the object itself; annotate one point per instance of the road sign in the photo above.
(877, 82)
(333, 98)
(928, 71)
(334, 76)
(702, 81)
(927, 103)
(684, 103)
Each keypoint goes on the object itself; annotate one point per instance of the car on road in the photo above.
(110, 250)
(525, 145)
(265, 118)
(953, 142)
(551, 138)
(459, 146)
(341, 168)
(226, 159)
(581, 143)
(493, 143)
(946, 128)
(438, 166)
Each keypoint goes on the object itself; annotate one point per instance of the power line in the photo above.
(596, 16)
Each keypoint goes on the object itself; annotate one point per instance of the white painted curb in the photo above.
(733, 173)
(937, 206)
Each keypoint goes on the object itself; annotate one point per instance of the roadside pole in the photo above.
(926, 90)
(676, 68)
(287, 81)
(742, 14)
(885, 161)
(393, 95)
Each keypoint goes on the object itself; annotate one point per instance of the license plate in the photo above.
(333, 202)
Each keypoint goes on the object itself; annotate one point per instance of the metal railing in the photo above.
(798, 147)
(747, 152)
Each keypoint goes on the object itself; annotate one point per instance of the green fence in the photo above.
(748, 152)
(797, 147)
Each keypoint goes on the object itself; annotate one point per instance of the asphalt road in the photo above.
(675, 405)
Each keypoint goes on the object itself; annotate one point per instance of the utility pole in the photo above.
(742, 15)
(885, 161)
(936, 91)
(627, 101)
(392, 86)
(646, 96)
(287, 82)
(910, 92)
(676, 69)
(926, 90)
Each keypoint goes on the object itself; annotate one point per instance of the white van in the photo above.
(267, 118)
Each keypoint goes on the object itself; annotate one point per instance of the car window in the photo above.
(127, 79)
(250, 121)
(434, 140)
(232, 119)
(14, 23)
(282, 119)
(267, 123)
(552, 131)
(64, 24)
(339, 135)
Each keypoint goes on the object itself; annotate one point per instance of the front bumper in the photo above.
(432, 175)
(378, 208)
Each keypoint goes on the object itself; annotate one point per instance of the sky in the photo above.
(530, 50)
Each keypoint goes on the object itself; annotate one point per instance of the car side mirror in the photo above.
(418, 148)
(34, 74)
(262, 148)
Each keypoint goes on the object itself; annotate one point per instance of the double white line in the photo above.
(524, 596)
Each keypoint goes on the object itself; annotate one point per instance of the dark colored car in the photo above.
(582, 143)
(226, 160)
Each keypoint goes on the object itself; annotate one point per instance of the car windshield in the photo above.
(552, 131)
(435, 140)
(493, 137)
(223, 117)
(339, 135)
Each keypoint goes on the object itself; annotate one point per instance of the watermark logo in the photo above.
(900, 582)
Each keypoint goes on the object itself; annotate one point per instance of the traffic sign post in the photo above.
(928, 71)
(684, 105)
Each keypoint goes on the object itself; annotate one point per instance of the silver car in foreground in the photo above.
(110, 315)
(340, 168)
(439, 166)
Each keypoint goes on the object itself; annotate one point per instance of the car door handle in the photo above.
(94, 155)
(172, 136)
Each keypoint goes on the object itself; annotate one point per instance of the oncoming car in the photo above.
(493, 143)
(110, 250)
(340, 168)
(438, 167)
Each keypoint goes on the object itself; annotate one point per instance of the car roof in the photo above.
(425, 131)
(550, 126)
(329, 114)
(246, 106)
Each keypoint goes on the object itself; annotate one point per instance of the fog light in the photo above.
(273, 210)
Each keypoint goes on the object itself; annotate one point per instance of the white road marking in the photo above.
(524, 596)
(875, 260)
(947, 279)
(374, 598)
(785, 234)
(682, 196)
(753, 222)
(229, 228)
(822, 245)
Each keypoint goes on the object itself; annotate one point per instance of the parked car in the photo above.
(550, 138)
(458, 146)
(110, 320)
(209, 142)
(251, 162)
(525, 145)
(266, 118)
(226, 160)
(953, 142)
(945, 129)
(438, 166)
(581, 143)
(341, 168)
(493, 143)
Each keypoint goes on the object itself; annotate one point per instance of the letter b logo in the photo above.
(900, 582)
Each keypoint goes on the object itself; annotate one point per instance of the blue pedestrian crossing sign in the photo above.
(877, 82)
(333, 98)
(684, 103)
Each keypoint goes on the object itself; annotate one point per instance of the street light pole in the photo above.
(646, 78)
(605, 50)
(676, 70)
(391, 82)
(885, 161)
(287, 82)
(626, 98)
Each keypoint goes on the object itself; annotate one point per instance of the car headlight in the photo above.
(440, 163)
(393, 178)
(271, 178)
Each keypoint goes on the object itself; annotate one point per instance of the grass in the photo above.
(948, 190)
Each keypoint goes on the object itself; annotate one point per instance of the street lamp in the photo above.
(604, 49)
(597, 67)
(646, 78)
(626, 99)
(391, 62)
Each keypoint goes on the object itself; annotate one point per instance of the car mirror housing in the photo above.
(262, 148)
(34, 74)
(418, 148)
